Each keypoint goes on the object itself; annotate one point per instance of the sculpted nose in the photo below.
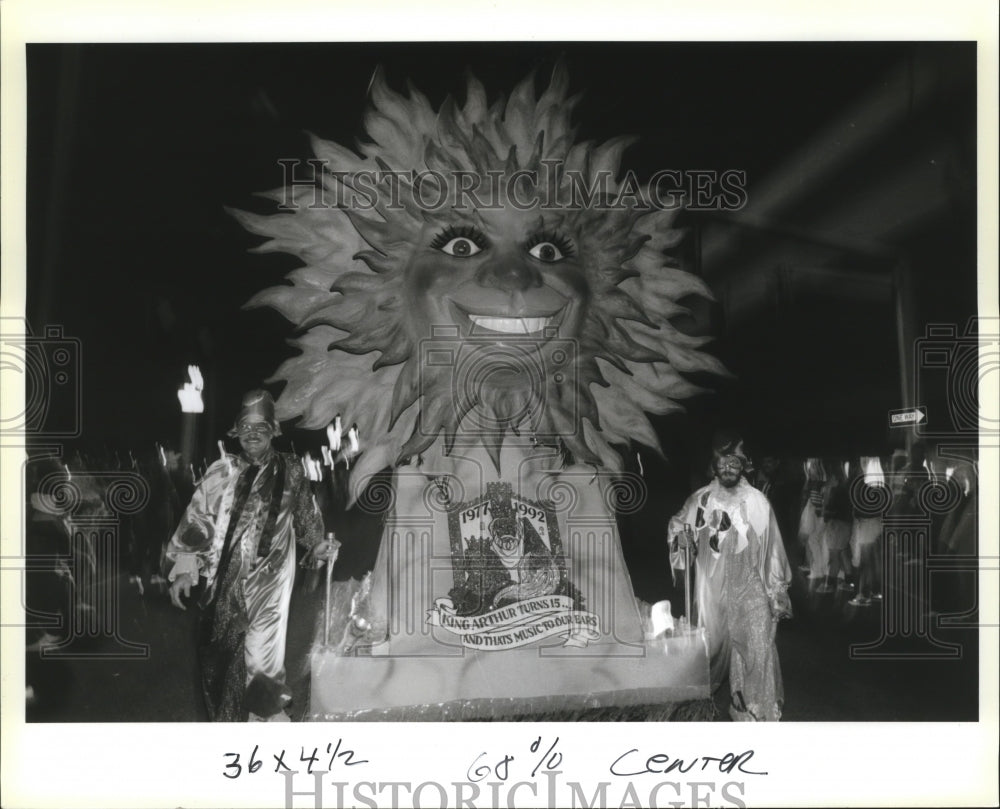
(509, 274)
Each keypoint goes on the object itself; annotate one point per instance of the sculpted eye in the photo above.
(550, 247)
(460, 242)
(461, 247)
(546, 251)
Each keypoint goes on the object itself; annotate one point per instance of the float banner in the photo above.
(520, 624)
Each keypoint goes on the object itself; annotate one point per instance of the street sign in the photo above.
(905, 418)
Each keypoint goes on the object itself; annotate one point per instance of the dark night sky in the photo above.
(134, 150)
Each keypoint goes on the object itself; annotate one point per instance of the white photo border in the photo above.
(808, 764)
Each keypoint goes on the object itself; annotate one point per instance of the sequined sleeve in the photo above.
(306, 517)
(189, 547)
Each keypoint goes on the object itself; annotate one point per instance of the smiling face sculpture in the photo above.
(476, 274)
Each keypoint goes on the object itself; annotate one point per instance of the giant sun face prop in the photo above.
(428, 315)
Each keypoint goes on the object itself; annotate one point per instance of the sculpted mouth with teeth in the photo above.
(510, 325)
(490, 324)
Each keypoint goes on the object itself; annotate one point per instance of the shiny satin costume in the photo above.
(239, 534)
(740, 591)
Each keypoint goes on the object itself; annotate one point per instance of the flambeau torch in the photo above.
(688, 575)
(353, 444)
(191, 405)
(689, 551)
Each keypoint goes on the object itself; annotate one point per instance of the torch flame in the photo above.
(190, 394)
(872, 468)
(312, 467)
(225, 456)
(333, 433)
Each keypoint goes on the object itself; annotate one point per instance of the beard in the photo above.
(729, 479)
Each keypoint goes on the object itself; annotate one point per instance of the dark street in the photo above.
(822, 682)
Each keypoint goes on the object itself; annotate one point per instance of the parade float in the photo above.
(490, 302)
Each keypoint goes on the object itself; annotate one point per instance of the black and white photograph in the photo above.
(518, 396)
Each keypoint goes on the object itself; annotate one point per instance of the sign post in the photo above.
(908, 417)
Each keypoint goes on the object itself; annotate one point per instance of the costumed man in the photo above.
(742, 577)
(239, 535)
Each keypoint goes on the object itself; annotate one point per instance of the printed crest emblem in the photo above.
(511, 582)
